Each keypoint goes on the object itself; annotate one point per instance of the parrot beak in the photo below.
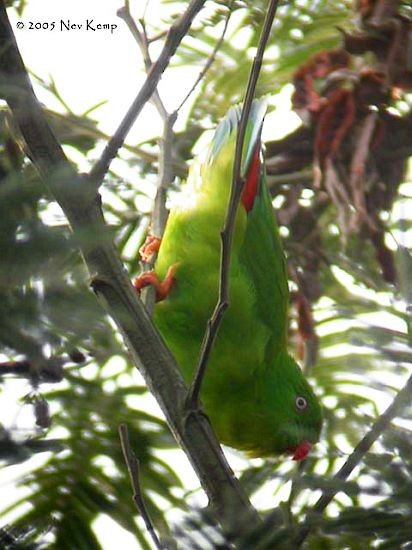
(302, 450)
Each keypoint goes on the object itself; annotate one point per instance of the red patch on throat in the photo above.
(252, 181)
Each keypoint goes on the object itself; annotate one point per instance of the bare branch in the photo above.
(358, 169)
(160, 213)
(228, 229)
(211, 58)
(141, 39)
(133, 468)
(381, 424)
(175, 35)
(165, 171)
(165, 178)
(48, 370)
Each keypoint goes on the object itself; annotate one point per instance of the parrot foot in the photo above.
(162, 287)
(149, 247)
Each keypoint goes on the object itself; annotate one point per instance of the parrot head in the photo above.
(297, 414)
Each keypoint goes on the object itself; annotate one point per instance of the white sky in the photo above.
(92, 66)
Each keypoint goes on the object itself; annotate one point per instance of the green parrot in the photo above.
(253, 391)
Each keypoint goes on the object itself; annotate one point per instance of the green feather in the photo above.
(251, 383)
(262, 255)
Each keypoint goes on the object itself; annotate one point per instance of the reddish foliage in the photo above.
(318, 66)
(356, 144)
(306, 325)
(335, 121)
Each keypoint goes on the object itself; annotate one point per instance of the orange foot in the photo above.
(162, 287)
(149, 247)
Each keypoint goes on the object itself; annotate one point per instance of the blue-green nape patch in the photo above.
(223, 131)
(230, 123)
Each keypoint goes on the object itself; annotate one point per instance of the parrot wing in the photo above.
(261, 253)
(260, 250)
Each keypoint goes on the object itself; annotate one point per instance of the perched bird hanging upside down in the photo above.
(253, 391)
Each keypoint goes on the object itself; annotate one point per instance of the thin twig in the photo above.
(133, 467)
(340, 197)
(357, 172)
(77, 124)
(160, 213)
(175, 35)
(141, 39)
(165, 172)
(157, 37)
(210, 59)
(380, 425)
(48, 370)
(213, 323)
(289, 178)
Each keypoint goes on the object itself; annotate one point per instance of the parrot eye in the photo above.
(301, 403)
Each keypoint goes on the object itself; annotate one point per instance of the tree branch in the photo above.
(210, 59)
(133, 468)
(175, 35)
(141, 39)
(228, 228)
(380, 425)
(77, 198)
(165, 171)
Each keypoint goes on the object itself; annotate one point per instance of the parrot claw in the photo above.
(149, 247)
(162, 287)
